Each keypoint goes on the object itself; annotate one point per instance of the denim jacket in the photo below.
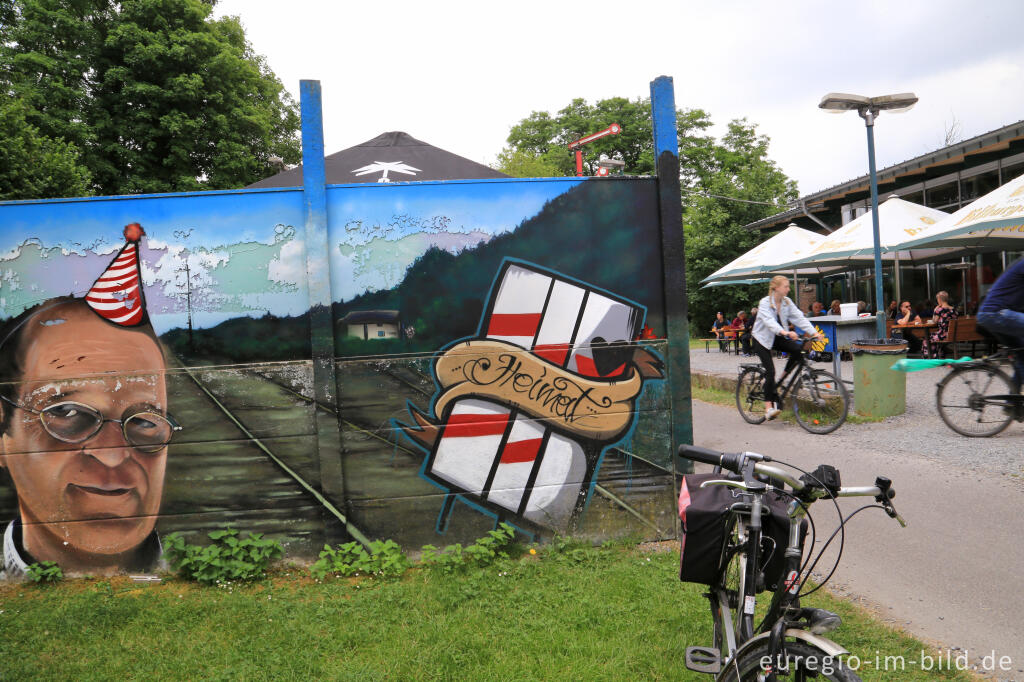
(767, 327)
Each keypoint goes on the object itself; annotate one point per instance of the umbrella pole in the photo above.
(796, 288)
(896, 279)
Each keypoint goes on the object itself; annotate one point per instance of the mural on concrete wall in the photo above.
(198, 331)
(526, 407)
(454, 466)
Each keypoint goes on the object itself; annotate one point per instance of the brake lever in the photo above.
(885, 499)
(726, 482)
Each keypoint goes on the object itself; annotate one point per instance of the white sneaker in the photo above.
(771, 413)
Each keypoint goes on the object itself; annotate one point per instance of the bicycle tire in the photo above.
(730, 581)
(805, 661)
(826, 402)
(961, 401)
(750, 395)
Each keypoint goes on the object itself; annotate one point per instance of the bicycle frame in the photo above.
(785, 384)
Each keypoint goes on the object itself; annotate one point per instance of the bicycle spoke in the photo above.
(820, 402)
(967, 401)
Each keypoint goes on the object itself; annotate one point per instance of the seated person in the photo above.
(893, 311)
(718, 329)
(817, 309)
(743, 323)
(943, 314)
(834, 309)
(908, 316)
(862, 307)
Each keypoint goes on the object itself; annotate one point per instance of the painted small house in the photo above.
(372, 324)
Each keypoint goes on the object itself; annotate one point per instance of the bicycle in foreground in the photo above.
(820, 400)
(977, 398)
(761, 531)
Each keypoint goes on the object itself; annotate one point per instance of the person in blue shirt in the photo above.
(1002, 313)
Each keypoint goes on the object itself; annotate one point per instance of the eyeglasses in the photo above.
(72, 422)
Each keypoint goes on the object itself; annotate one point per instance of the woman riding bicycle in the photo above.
(771, 332)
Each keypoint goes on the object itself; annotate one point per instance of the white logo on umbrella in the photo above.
(384, 167)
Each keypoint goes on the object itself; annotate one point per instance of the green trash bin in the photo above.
(877, 390)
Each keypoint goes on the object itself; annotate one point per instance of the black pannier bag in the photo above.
(705, 513)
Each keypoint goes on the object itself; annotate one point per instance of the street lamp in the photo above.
(869, 108)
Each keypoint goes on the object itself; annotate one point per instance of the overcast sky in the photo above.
(459, 74)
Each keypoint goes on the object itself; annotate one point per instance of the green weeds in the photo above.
(229, 558)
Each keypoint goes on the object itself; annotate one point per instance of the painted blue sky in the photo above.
(244, 249)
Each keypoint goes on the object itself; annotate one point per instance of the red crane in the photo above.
(613, 129)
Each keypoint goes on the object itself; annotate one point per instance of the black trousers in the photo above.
(745, 338)
(793, 350)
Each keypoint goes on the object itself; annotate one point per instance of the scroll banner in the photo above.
(597, 410)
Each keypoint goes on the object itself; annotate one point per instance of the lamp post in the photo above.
(869, 108)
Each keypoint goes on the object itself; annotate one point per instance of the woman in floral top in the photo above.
(944, 314)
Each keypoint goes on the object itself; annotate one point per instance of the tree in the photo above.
(33, 166)
(156, 94)
(744, 185)
(545, 138)
(520, 163)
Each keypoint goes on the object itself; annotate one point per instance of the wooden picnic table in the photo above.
(730, 334)
(922, 330)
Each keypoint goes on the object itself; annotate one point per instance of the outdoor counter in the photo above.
(840, 333)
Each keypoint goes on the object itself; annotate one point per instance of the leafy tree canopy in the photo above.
(744, 185)
(545, 138)
(727, 183)
(33, 166)
(157, 95)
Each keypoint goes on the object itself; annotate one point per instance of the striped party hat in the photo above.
(117, 295)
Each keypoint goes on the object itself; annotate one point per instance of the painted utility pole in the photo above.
(188, 298)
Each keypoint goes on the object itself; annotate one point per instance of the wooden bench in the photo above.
(726, 340)
(963, 330)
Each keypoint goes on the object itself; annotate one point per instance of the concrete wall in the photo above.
(520, 395)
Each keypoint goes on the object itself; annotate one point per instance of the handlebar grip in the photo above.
(713, 457)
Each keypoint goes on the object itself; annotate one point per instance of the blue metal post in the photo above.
(869, 120)
(321, 324)
(670, 208)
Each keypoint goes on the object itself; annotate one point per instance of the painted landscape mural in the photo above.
(498, 357)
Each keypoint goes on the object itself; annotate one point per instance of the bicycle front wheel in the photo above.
(820, 402)
(976, 401)
(802, 661)
(730, 588)
(750, 395)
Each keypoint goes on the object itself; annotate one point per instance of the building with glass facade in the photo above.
(946, 179)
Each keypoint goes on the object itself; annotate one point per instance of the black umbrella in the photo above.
(391, 157)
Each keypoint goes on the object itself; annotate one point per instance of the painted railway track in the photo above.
(294, 475)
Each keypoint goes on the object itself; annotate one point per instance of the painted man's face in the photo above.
(101, 496)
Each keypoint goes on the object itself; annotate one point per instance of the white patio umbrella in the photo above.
(727, 282)
(852, 245)
(765, 258)
(989, 223)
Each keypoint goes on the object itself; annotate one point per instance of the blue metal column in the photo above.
(321, 325)
(869, 120)
(670, 208)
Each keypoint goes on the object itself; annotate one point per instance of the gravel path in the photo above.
(952, 577)
(920, 431)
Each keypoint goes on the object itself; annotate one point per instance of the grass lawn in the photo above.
(568, 613)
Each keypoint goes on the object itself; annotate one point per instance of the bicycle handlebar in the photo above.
(882, 490)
